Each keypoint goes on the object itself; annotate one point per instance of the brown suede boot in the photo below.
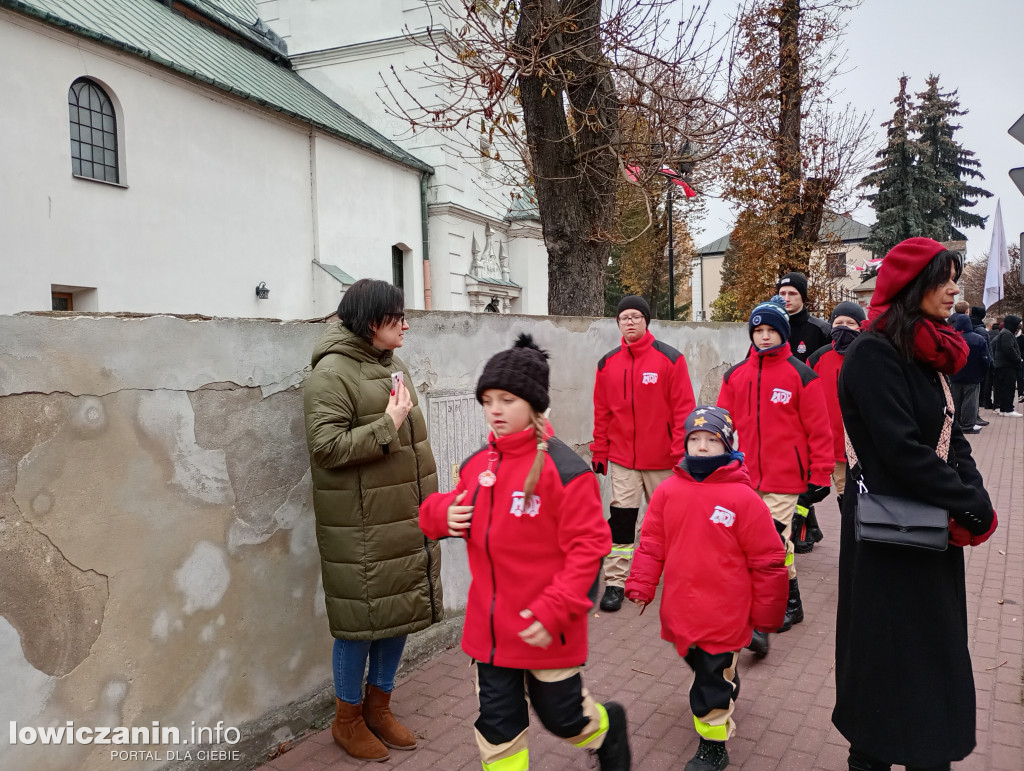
(350, 732)
(377, 713)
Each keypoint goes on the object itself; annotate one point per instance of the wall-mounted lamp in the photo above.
(262, 293)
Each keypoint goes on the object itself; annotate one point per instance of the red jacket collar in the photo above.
(519, 443)
(641, 346)
(772, 355)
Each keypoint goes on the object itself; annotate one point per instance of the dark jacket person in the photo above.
(372, 467)
(904, 684)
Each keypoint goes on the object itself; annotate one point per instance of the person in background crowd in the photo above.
(966, 383)
(530, 511)
(725, 573)
(372, 466)
(985, 393)
(642, 395)
(1006, 362)
(807, 333)
(778, 405)
(904, 682)
(846, 319)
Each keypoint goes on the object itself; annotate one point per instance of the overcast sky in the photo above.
(975, 47)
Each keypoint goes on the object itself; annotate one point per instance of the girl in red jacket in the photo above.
(530, 511)
(725, 572)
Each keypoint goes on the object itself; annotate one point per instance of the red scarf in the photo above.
(938, 345)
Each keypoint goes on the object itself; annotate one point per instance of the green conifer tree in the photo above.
(945, 166)
(897, 179)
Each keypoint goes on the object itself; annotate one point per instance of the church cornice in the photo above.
(359, 51)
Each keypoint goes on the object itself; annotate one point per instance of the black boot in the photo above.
(711, 756)
(612, 599)
(858, 761)
(794, 608)
(814, 533)
(759, 644)
(798, 535)
(614, 753)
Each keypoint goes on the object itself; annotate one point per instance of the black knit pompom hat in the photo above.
(521, 370)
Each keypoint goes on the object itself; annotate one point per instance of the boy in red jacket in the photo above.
(530, 511)
(782, 425)
(724, 568)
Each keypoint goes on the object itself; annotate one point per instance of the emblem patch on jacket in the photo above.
(802, 348)
(722, 516)
(781, 396)
(517, 505)
(649, 378)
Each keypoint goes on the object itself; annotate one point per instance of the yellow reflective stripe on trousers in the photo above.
(789, 559)
(716, 733)
(802, 510)
(518, 762)
(602, 728)
(628, 552)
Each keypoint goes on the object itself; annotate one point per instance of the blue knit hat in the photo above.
(773, 313)
(714, 420)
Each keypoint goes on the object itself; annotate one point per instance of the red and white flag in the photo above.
(676, 177)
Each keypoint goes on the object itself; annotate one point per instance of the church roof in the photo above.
(845, 228)
(151, 30)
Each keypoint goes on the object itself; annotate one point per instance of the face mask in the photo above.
(842, 337)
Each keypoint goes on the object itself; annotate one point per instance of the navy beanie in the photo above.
(773, 313)
(714, 420)
(634, 302)
(796, 280)
(854, 310)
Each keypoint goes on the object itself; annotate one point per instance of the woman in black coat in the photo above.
(904, 685)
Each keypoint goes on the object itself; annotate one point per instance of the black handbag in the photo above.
(898, 521)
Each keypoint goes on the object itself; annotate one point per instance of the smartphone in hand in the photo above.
(396, 378)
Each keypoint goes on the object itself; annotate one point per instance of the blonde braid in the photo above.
(540, 428)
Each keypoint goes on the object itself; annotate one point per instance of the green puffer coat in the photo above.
(382, 578)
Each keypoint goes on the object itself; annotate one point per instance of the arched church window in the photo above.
(93, 132)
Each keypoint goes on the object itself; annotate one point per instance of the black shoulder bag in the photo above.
(902, 521)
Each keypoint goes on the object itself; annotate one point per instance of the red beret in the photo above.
(901, 266)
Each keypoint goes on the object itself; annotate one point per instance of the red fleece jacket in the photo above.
(722, 558)
(642, 395)
(778, 407)
(542, 557)
(827, 362)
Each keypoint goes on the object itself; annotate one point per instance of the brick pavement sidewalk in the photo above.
(784, 710)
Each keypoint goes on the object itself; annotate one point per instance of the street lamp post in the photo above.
(671, 259)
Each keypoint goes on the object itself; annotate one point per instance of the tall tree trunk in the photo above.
(795, 254)
(573, 159)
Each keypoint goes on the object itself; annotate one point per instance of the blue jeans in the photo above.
(350, 664)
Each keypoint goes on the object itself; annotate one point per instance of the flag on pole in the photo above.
(676, 177)
(998, 261)
(634, 173)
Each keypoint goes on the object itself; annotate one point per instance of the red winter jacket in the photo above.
(778, 407)
(827, 362)
(543, 557)
(642, 396)
(722, 557)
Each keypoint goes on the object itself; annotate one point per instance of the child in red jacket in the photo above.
(846, 319)
(782, 426)
(724, 568)
(530, 511)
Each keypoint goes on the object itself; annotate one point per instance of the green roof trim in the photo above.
(845, 228)
(341, 276)
(496, 282)
(151, 30)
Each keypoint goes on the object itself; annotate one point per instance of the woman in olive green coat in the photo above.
(372, 467)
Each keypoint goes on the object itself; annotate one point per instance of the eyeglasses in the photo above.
(630, 319)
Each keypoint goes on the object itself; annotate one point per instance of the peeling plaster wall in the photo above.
(158, 559)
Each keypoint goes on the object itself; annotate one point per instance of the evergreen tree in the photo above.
(897, 179)
(945, 167)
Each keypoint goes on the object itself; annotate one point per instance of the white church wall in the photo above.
(218, 198)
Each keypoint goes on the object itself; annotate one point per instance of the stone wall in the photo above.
(158, 560)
